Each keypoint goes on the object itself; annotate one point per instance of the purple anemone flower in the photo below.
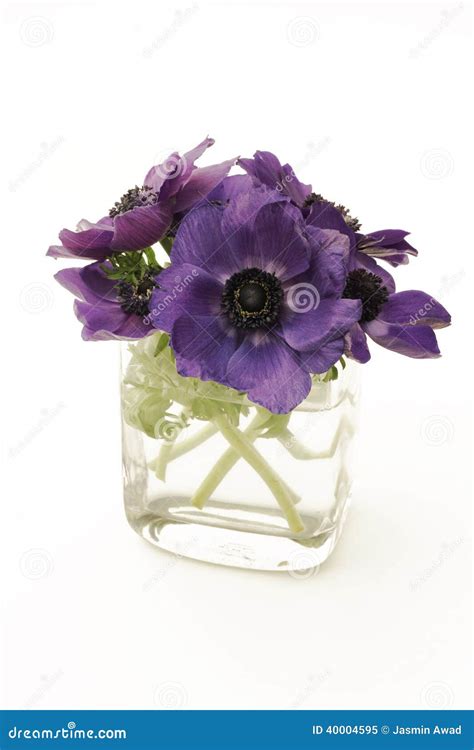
(388, 244)
(144, 214)
(256, 305)
(265, 169)
(400, 321)
(109, 309)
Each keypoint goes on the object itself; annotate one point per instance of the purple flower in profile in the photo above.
(388, 244)
(265, 169)
(109, 309)
(400, 321)
(256, 305)
(144, 214)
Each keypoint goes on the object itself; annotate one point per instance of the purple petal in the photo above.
(89, 284)
(412, 341)
(141, 227)
(324, 357)
(170, 169)
(317, 322)
(244, 202)
(272, 374)
(92, 244)
(329, 261)
(204, 340)
(356, 344)
(360, 260)
(276, 244)
(414, 308)
(184, 288)
(201, 242)
(323, 215)
(201, 181)
(388, 244)
(266, 168)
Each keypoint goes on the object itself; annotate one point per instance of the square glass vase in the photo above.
(212, 476)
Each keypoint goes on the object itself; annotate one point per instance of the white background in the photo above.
(369, 103)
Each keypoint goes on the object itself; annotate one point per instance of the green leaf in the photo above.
(167, 243)
(162, 343)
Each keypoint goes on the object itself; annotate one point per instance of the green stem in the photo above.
(243, 446)
(295, 447)
(226, 463)
(188, 444)
(160, 464)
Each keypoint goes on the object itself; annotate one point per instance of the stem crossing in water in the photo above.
(245, 449)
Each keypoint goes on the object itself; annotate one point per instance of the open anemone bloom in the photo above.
(387, 244)
(400, 321)
(259, 307)
(109, 309)
(145, 214)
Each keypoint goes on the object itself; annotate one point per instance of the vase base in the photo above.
(260, 543)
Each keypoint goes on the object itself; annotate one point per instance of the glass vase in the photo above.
(212, 476)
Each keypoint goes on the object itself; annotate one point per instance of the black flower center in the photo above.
(134, 298)
(134, 198)
(252, 298)
(370, 289)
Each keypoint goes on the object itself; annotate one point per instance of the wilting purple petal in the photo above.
(90, 244)
(322, 320)
(412, 341)
(89, 284)
(271, 373)
(388, 244)
(356, 344)
(184, 289)
(141, 227)
(266, 168)
(200, 182)
(414, 308)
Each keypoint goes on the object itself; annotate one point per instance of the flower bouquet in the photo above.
(247, 303)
